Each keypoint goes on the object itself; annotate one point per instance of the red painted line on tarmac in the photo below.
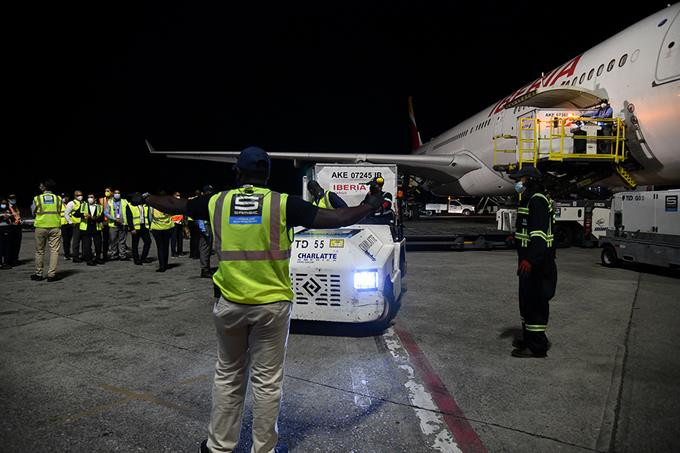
(465, 436)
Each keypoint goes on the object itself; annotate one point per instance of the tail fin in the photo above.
(416, 142)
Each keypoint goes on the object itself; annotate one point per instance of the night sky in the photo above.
(92, 81)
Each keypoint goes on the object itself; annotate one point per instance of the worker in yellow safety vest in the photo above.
(162, 227)
(117, 228)
(253, 229)
(90, 226)
(536, 269)
(324, 198)
(139, 222)
(177, 237)
(46, 208)
(72, 217)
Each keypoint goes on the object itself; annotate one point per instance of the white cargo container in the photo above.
(350, 274)
(644, 228)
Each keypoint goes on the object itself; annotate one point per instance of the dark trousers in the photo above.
(89, 236)
(6, 245)
(77, 233)
(205, 249)
(162, 238)
(535, 292)
(66, 236)
(143, 234)
(194, 239)
(105, 241)
(177, 240)
(15, 243)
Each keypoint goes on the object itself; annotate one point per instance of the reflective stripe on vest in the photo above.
(85, 209)
(61, 214)
(252, 245)
(524, 237)
(136, 216)
(161, 220)
(47, 210)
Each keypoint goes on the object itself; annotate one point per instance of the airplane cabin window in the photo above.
(583, 76)
(573, 82)
(671, 44)
(610, 66)
(600, 70)
(622, 61)
(590, 73)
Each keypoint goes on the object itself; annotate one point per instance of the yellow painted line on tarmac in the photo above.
(94, 411)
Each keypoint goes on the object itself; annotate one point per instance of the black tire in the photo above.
(392, 307)
(564, 236)
(466, 212)
(608, 256)
(429, 213)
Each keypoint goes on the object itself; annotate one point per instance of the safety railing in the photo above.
(564, 139)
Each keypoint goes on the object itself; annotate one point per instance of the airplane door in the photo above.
(668, 62)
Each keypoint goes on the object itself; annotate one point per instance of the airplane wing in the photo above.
(439, 168)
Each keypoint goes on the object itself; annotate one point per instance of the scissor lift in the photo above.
(554, 144)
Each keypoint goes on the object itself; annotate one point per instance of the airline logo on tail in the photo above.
(416, 142)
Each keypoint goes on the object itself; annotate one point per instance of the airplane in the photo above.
(637, 70)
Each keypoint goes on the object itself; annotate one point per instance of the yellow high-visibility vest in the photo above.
(253, 243)
(85, 209)
(161, 220)
(47, 210)
(111, 213)
(136, 221)
(324, 202)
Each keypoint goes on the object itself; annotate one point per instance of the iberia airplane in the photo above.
(637, 70)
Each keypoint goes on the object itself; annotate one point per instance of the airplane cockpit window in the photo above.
(590, 73)
(622, 61)
(600, 70)
(610, 66)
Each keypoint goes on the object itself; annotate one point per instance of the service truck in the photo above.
(644, 228)
(351, 274)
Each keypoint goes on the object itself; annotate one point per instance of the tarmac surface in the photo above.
(120, 358)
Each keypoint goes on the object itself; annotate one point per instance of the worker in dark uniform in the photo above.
(324, 198)
(252, 226)
(536, 270)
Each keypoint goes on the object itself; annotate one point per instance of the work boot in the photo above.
(37, 277)
(147, 260)
(5, 266)
(91, 263)
(205, 273)
(525, 353)
(138, 262)
(203, 448)
(518, 343)
(52, 279)
(99, 261)
(77, 260)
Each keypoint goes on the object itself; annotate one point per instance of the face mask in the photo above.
(3, 206)
(116, 196)
(107, 193)
(79, 198)
(520, 187)
(90, 200)
(12, 201)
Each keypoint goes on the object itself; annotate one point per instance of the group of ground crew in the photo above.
(80, 223)
(252, 227)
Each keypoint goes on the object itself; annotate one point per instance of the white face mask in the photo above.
(116, 196)
(89, 200)
(79, 198)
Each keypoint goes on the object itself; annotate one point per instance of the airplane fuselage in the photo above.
(638, 70)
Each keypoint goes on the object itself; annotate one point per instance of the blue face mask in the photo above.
(520, 187)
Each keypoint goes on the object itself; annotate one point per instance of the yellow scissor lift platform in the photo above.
(550, 142)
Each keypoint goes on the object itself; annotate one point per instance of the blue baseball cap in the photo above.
(254, 159)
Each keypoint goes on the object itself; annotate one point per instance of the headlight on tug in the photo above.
(365, 280)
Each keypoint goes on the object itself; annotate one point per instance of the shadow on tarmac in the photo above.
(335, 329)
(649, 269)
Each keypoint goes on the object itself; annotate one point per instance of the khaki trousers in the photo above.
(52, 238)
(249, 337)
